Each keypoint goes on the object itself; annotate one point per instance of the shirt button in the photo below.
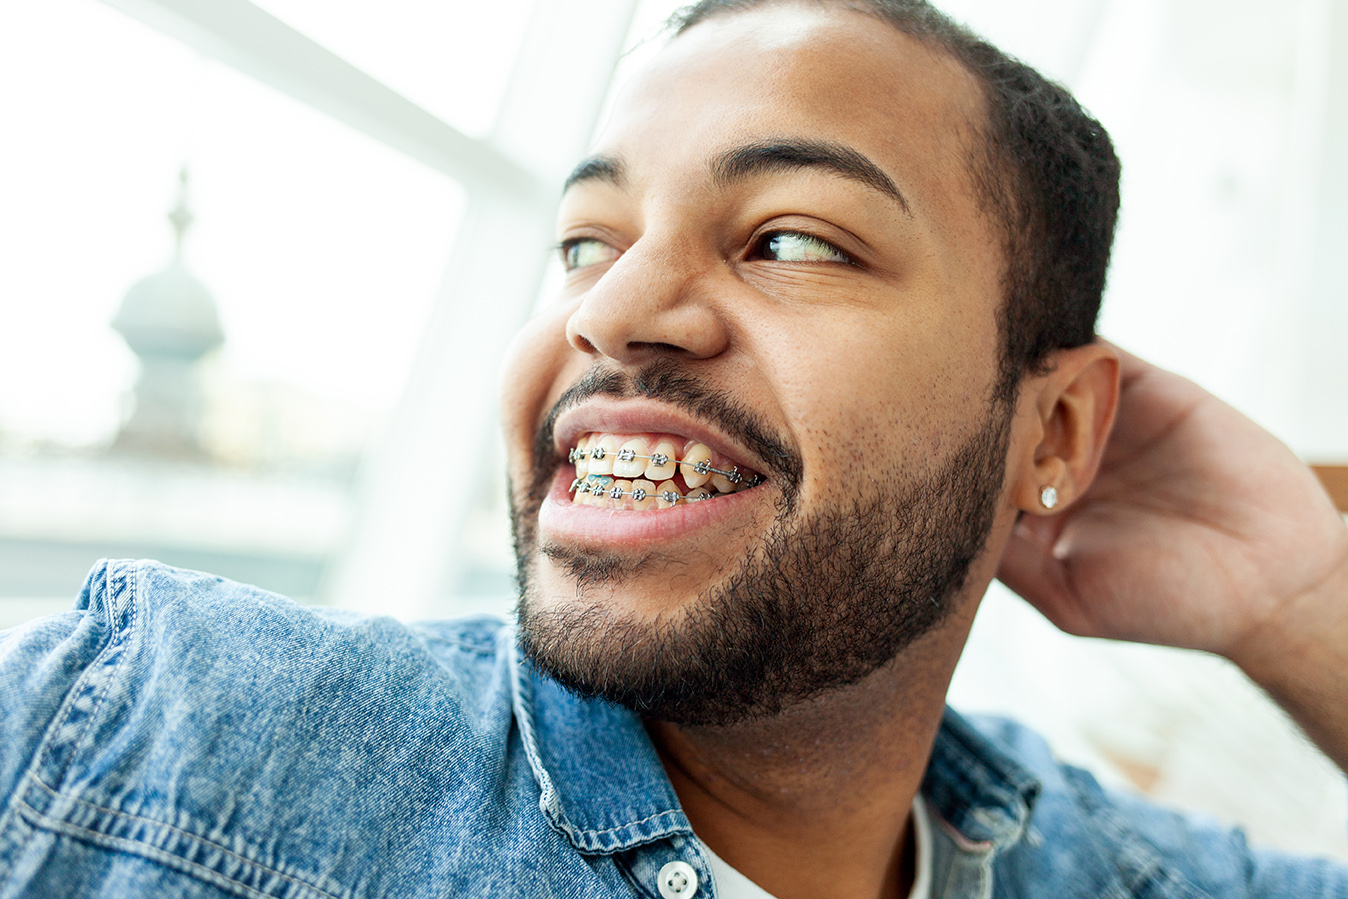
(677, 880)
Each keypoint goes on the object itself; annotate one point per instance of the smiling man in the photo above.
(832, 273)
(806, 298)
(822, 367)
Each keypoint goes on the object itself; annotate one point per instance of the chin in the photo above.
(724, 610)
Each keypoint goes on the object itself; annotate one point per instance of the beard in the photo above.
(829, 595)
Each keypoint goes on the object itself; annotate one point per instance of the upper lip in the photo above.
(638, 416)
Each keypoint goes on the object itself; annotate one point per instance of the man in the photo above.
(821, 369)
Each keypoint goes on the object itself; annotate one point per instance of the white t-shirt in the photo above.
(731, 884)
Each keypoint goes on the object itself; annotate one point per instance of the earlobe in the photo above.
(1074, 405)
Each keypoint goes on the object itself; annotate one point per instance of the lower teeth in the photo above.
(603, 487)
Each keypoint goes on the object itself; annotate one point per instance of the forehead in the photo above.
(803, 72)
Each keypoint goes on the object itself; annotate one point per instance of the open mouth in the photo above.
(637, 472)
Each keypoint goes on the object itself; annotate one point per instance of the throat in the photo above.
(818, 799)
(794, 841)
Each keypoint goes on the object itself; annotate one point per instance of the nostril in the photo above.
(658, 347)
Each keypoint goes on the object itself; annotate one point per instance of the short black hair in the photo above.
(1046, 174)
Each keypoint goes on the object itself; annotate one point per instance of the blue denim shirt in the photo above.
(179, 734)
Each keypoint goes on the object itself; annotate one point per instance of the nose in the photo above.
(654, 300)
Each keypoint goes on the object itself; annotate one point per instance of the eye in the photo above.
(580, 252)
(792, 246)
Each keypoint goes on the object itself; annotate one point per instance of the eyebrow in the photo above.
(742, 163)
(786, 155)
(609, 169)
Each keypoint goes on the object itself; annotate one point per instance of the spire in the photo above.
(180, 216)
(169, 321)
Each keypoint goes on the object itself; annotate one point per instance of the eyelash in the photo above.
(564, 248)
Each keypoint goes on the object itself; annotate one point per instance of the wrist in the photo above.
(1304, 640)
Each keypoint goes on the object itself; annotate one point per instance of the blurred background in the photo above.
(260, 261)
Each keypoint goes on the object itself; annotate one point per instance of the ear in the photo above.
(1071, 411)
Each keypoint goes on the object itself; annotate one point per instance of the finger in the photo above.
(1030, 568)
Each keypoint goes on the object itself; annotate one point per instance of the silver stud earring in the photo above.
(1048, 497)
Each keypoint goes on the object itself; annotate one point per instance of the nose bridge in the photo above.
(653, 299)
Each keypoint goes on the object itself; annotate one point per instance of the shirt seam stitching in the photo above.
(121, 639)
(72, 699)
(48, 820)
(614, 830)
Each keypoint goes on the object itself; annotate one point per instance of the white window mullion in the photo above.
(418, 487)
(256, 43)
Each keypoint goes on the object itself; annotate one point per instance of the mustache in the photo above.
(666, 381)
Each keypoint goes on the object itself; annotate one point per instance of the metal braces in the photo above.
(598, 454)
(598, 485)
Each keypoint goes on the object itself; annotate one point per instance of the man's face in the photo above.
(777, 263)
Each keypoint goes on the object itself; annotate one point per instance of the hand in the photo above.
(1201, 530)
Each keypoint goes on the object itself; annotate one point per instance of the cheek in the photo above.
(886, 392)
(530, 381)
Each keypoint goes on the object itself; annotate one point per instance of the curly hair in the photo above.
(1045, 173)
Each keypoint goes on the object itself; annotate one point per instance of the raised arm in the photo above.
(1203, 531)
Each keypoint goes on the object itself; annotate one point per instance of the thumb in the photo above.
(1031, 569)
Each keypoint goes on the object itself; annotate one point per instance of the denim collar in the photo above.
(604, 788)
(602, 784)
(974, 786)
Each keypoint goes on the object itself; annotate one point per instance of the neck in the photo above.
(816, 800)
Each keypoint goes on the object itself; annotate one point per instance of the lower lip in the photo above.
(560, 519)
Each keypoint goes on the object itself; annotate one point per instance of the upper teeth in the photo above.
(701, 466)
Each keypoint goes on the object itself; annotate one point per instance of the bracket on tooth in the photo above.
(598, 453)
(670, 497)
(733, 475)
(638, 495)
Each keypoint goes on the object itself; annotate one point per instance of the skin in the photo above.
(1202, 531)
(815, 801)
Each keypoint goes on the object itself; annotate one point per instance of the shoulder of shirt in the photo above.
(1078, 832)
(179, 607)
(173, 638)
(205, 735)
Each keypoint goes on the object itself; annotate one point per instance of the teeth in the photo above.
(602, 455)
(666, 495)
(643, 495)
(581, 456)
(609, 473)
(724, 484)
(631, 460)
(695, 465)
(661, 464)
(599, 485)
